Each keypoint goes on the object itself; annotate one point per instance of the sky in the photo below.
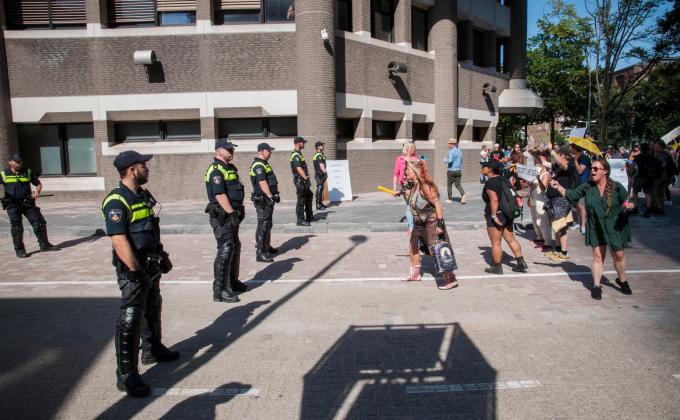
(538, 7)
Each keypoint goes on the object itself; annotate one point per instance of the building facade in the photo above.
(82, 80)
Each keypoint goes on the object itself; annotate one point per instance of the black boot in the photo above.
(495, 269)
(263, 257)
(45, 244)
(521, 266)
(153, 350)
(261, 254)
(127, 352)
(158, 353)
(18, 240)
(236, 285)
(222, 291)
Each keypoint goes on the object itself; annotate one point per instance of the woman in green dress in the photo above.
(607, 221)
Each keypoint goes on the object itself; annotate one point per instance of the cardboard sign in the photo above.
(339, 184)
(618, 167)
(528, 173)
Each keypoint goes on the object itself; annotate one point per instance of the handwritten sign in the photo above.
(618, 167)
(528, 173)
(339, 184)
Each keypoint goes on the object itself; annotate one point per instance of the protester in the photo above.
(408, 152)
(497, 225)
(668, 171)
(607, 222)
(423, 201)
(537, 200)
(454, 171)
(582, 164)
(649, 170)
(517, 156)
(483, 157)
(559, 210)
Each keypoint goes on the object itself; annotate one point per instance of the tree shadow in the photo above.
(407, 371)
(204, 405)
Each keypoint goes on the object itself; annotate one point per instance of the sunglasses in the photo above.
(596, 169)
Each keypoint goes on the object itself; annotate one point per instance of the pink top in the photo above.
(400, 169)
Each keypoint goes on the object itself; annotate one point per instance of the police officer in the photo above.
(320, 174)
(20, 200)
(303, 207)
(225, 207)
(139, 260)
(265, 195)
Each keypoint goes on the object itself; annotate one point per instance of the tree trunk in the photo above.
(604, 121)
(552, 129)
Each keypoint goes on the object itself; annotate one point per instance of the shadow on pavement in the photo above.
(422, 371)
(78, 241)
(273, 271)
(43, 339)
(294, 243)
(204, 406)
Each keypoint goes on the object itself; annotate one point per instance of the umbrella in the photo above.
(586, 144)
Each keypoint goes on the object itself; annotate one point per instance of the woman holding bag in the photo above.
(428, 225)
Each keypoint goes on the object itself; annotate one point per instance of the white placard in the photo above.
(339, 184)
(618, 167)
(578, 132)
(527, 172)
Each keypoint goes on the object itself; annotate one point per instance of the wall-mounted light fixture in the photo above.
(396, 67)
(145, 57)
(324, 35)
(489, 88)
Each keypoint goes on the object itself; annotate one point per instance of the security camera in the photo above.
(396, 67)
(488, 87)
(145, 57)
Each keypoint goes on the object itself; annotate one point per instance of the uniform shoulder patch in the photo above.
(259, 170)
(217, 179)
(115, 215)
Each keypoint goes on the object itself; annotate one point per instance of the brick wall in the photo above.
(7, 130)
(190, 63)
(470, 82)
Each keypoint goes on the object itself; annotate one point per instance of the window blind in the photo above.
(45, 12)
(175, 5)
(237, 4)
(132, 11)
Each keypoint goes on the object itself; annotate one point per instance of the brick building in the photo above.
(72, 96)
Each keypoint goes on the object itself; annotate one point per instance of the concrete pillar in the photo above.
(518, 40)
(444, 38)
(361, 16)
(364, 129)
(466, 41)
(96, 12)
(208, 128)
(402, 22)
(405, 130)
(8, 140)
(205, 10)
(489, 59)
(315, 72)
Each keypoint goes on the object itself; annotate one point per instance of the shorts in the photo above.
(509, 225)
(425, 234)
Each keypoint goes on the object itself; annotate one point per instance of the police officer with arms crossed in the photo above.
(139, 260)
(20, 200)
(225, 207)
(303, 207)
(320, 173)
(265, 195)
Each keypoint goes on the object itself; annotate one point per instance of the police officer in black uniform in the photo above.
(225, 207)
(320, 173)
(20, 200)
(303, 207)
(139, 260)
(265, 195)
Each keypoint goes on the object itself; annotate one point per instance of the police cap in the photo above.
(15, 157)
(264, 146)
(319, 143)
(128, 158)
(223, 143)
(299, 139)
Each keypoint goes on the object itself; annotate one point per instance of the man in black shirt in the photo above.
(265, 195)
(320, 173)
(564, 172)
(303, 207)
(19, 201)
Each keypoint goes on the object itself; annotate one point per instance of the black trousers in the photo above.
(140, 316)
(228, 258)
(265, 221)
(15, 212)
(320, 181)
(303, 207)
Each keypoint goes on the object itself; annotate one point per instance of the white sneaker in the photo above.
(449, 201)
(574, 226)
(463, 200)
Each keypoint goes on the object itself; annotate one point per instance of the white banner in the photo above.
(339, 184)
(528, 173)
(618, 167)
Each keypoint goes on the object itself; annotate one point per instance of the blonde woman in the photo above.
(408, 152)
(424, 204)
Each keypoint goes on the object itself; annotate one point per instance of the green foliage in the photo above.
(510, 130)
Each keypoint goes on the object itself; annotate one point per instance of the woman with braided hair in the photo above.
(607, 211)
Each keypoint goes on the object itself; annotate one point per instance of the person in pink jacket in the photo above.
(408, 152)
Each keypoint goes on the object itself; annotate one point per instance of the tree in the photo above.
(556, 67)
(622, 30)
(669, 27)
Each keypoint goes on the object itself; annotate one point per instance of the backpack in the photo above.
(507, 201)
(671, 168)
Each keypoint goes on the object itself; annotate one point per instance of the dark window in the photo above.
(254, 11)
(176, 18)
(478, 48)
(151, 12)
(478, 133)
(157, 130)
(346, 128)
(257, 127)
(58, 149)
(46, 14)
(343, 15)
(421, 131)
(384, 130)
(237, 16)
(382, 20)
(419, 29)
(279, 10)
(459, 39)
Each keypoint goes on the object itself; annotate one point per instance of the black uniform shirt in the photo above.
(318, 159)
(222, 178)
(18, 185)
(297, 160)
(259, 173)
(116, 213)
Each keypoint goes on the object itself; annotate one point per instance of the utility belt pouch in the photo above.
(166, 264)
(257, 199)
(153, 264)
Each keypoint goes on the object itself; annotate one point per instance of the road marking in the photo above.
(490, 386)
(342, 279)
(210, 391)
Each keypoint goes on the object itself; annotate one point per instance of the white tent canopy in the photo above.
(672, 135)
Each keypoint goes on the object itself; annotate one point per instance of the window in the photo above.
(254, 11)
(382, 20)
(421, 131)
(257, 127)
(478, 133)
(346, 128)
(501, 53)
(157, 130)
(384, 130)
(58, 149)
(151, 13)
(343, 15)
(478, 48)
(47, 14)
(419, 29)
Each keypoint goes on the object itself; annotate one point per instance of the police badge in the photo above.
(114, 215)
(217, 179)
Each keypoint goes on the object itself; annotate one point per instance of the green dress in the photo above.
(612, 230)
